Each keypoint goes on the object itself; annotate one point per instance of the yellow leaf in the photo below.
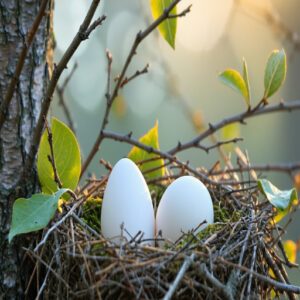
(153, 162)
(119, 106)
(198, 120)
(230, 132)
(290, 248)
(168, 27)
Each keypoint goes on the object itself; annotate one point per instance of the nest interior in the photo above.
(240, 256)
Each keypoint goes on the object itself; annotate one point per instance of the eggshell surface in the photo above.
(127, 201)
(185, 204)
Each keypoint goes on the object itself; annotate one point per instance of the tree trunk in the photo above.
(16, 18)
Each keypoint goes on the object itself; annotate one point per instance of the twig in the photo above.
(109, 63)
(51, 157)
(85, 225)
(60, 92)
(138, 39)
(21, 60)
(239, 118)
(36, 256)
(215, 282)
(57, 224)
(83, 34)
(181, 14)
(279, 167)
(276, 284)
(41, 289)
(186, 264)
(136, 74)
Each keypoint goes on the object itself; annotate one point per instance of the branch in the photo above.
(186, 264)
(183, 165)
(138, 39)
(215, 282)
(239, 118)
(57, 224)
(21, 60)
(136, 74)
(60, 92)
(51, 157)
(83, 33)
(276, 284)
(280, 167)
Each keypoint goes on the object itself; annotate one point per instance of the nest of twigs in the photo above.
(239, 257)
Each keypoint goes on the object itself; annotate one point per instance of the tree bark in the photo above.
(16, 18)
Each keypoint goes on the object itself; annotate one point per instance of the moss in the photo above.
(221, 215)
(91, 213)
(224, 215)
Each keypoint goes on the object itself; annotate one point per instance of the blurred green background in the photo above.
(183, 83)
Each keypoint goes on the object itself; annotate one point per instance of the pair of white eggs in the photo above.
(127, 209)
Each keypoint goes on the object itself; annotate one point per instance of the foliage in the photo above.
(66, 155)
(235, 80)
(281, 200)
(153, 162)
(275, 72)
(168, 27)
(34, 213)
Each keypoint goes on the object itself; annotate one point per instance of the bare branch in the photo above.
(239, 118)
(138, 39)
(60, 92)
(51, 156)
(136, 74)
(186, 264)
(280, 167)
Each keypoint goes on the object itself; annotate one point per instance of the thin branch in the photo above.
(21, 60)
(186, 264)
(183, 165)
(276, 284)
(57, 224)
(60, 92)
(280, 167)
(51, 157)
(136, 74)
(181, 14)
(138, 39)
(239, 118)
(83, 34)
(215, 282)
(109, 63)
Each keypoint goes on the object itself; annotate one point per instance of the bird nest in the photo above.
(240, 256)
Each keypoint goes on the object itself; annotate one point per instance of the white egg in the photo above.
(185, 204)
(127, 203)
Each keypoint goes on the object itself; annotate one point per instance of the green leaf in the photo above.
(246, 79)
(234, 80)
(34, 213)
(275, 72)
(168, 27)
(281, 200)
(67, 158)
(137, 155)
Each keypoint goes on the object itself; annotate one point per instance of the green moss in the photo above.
(91, 213)
(224, 215)
(221, 216)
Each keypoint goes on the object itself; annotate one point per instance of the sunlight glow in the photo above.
(204, 25)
